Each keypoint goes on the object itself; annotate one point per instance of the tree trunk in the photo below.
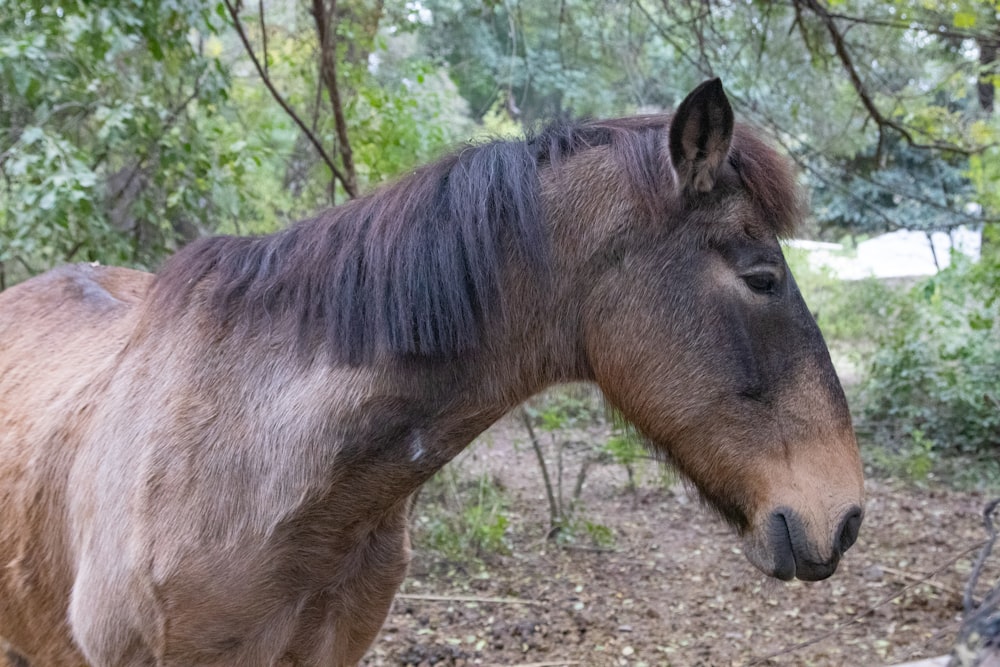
(990, 242)
(987, 61)
(326, 33)
(555, 518)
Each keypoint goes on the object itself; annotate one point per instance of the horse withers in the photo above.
(212, 465)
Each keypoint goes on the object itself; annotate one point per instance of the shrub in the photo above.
(936, 374)
(462, 519)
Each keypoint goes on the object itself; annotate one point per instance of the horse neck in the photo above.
(532, 348)
(531, 344)
(535, 341)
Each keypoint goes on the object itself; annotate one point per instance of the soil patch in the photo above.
(668, 584)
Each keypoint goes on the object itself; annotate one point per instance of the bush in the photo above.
(935, 377)
(462, 519)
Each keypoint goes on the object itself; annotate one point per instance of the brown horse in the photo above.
(212, 466)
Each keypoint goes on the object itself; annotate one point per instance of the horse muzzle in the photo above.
(786, 548)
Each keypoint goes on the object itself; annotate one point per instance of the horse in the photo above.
(213, 465)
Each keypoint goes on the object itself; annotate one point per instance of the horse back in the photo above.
(58, 333)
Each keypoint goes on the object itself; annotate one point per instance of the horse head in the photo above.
(697, 332)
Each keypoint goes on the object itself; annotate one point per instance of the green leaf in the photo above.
(31, 135)
(48, 201)
(964, 20)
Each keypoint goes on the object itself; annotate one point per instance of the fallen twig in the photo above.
(922, 578)
(583, 547)
(465, 598)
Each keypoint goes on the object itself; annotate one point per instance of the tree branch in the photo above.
(337, 174)
(777, 131)
(263, 33)
(466, 598)
(669, 39)
(167, 124)
(555, 518)
(883, 122)
(328, 73)
(941, 29)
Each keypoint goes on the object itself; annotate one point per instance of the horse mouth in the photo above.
(781, 548)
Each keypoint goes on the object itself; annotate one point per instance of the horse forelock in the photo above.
(770, 181)
(415, 268)
(640, 152)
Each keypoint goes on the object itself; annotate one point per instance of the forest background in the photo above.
(129, 128)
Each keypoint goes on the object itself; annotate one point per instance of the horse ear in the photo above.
(700, 133)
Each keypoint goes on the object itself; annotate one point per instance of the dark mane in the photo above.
(415, 267)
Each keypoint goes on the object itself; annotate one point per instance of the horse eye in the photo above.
(764, 283)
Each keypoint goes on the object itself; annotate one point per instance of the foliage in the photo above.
(400, 109)
(406, 121)
(462, 519)
(539, 60)
(908, 189)
(568, 414)
(112, 144)
(566, 407)
(562, 412)
(623, 448)
(127, 130)
(912, 460)
(934, 377)
(902, 141)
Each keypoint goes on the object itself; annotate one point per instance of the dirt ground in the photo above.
(671, 586)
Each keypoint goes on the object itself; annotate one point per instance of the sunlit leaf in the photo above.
(964, 20)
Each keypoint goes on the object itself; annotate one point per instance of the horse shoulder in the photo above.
(58, 333)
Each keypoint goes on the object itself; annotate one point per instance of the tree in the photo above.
(112, 144)
(352, 96)
(860, 92)
(127, 130)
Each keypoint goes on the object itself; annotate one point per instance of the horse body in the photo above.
(164, 481)
(184, 542)
(164, 484)
(213, 467)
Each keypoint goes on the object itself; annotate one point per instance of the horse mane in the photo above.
(415, 267)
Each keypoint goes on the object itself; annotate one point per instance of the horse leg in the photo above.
(357, 609)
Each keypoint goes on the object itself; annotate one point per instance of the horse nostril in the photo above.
(849, 527)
